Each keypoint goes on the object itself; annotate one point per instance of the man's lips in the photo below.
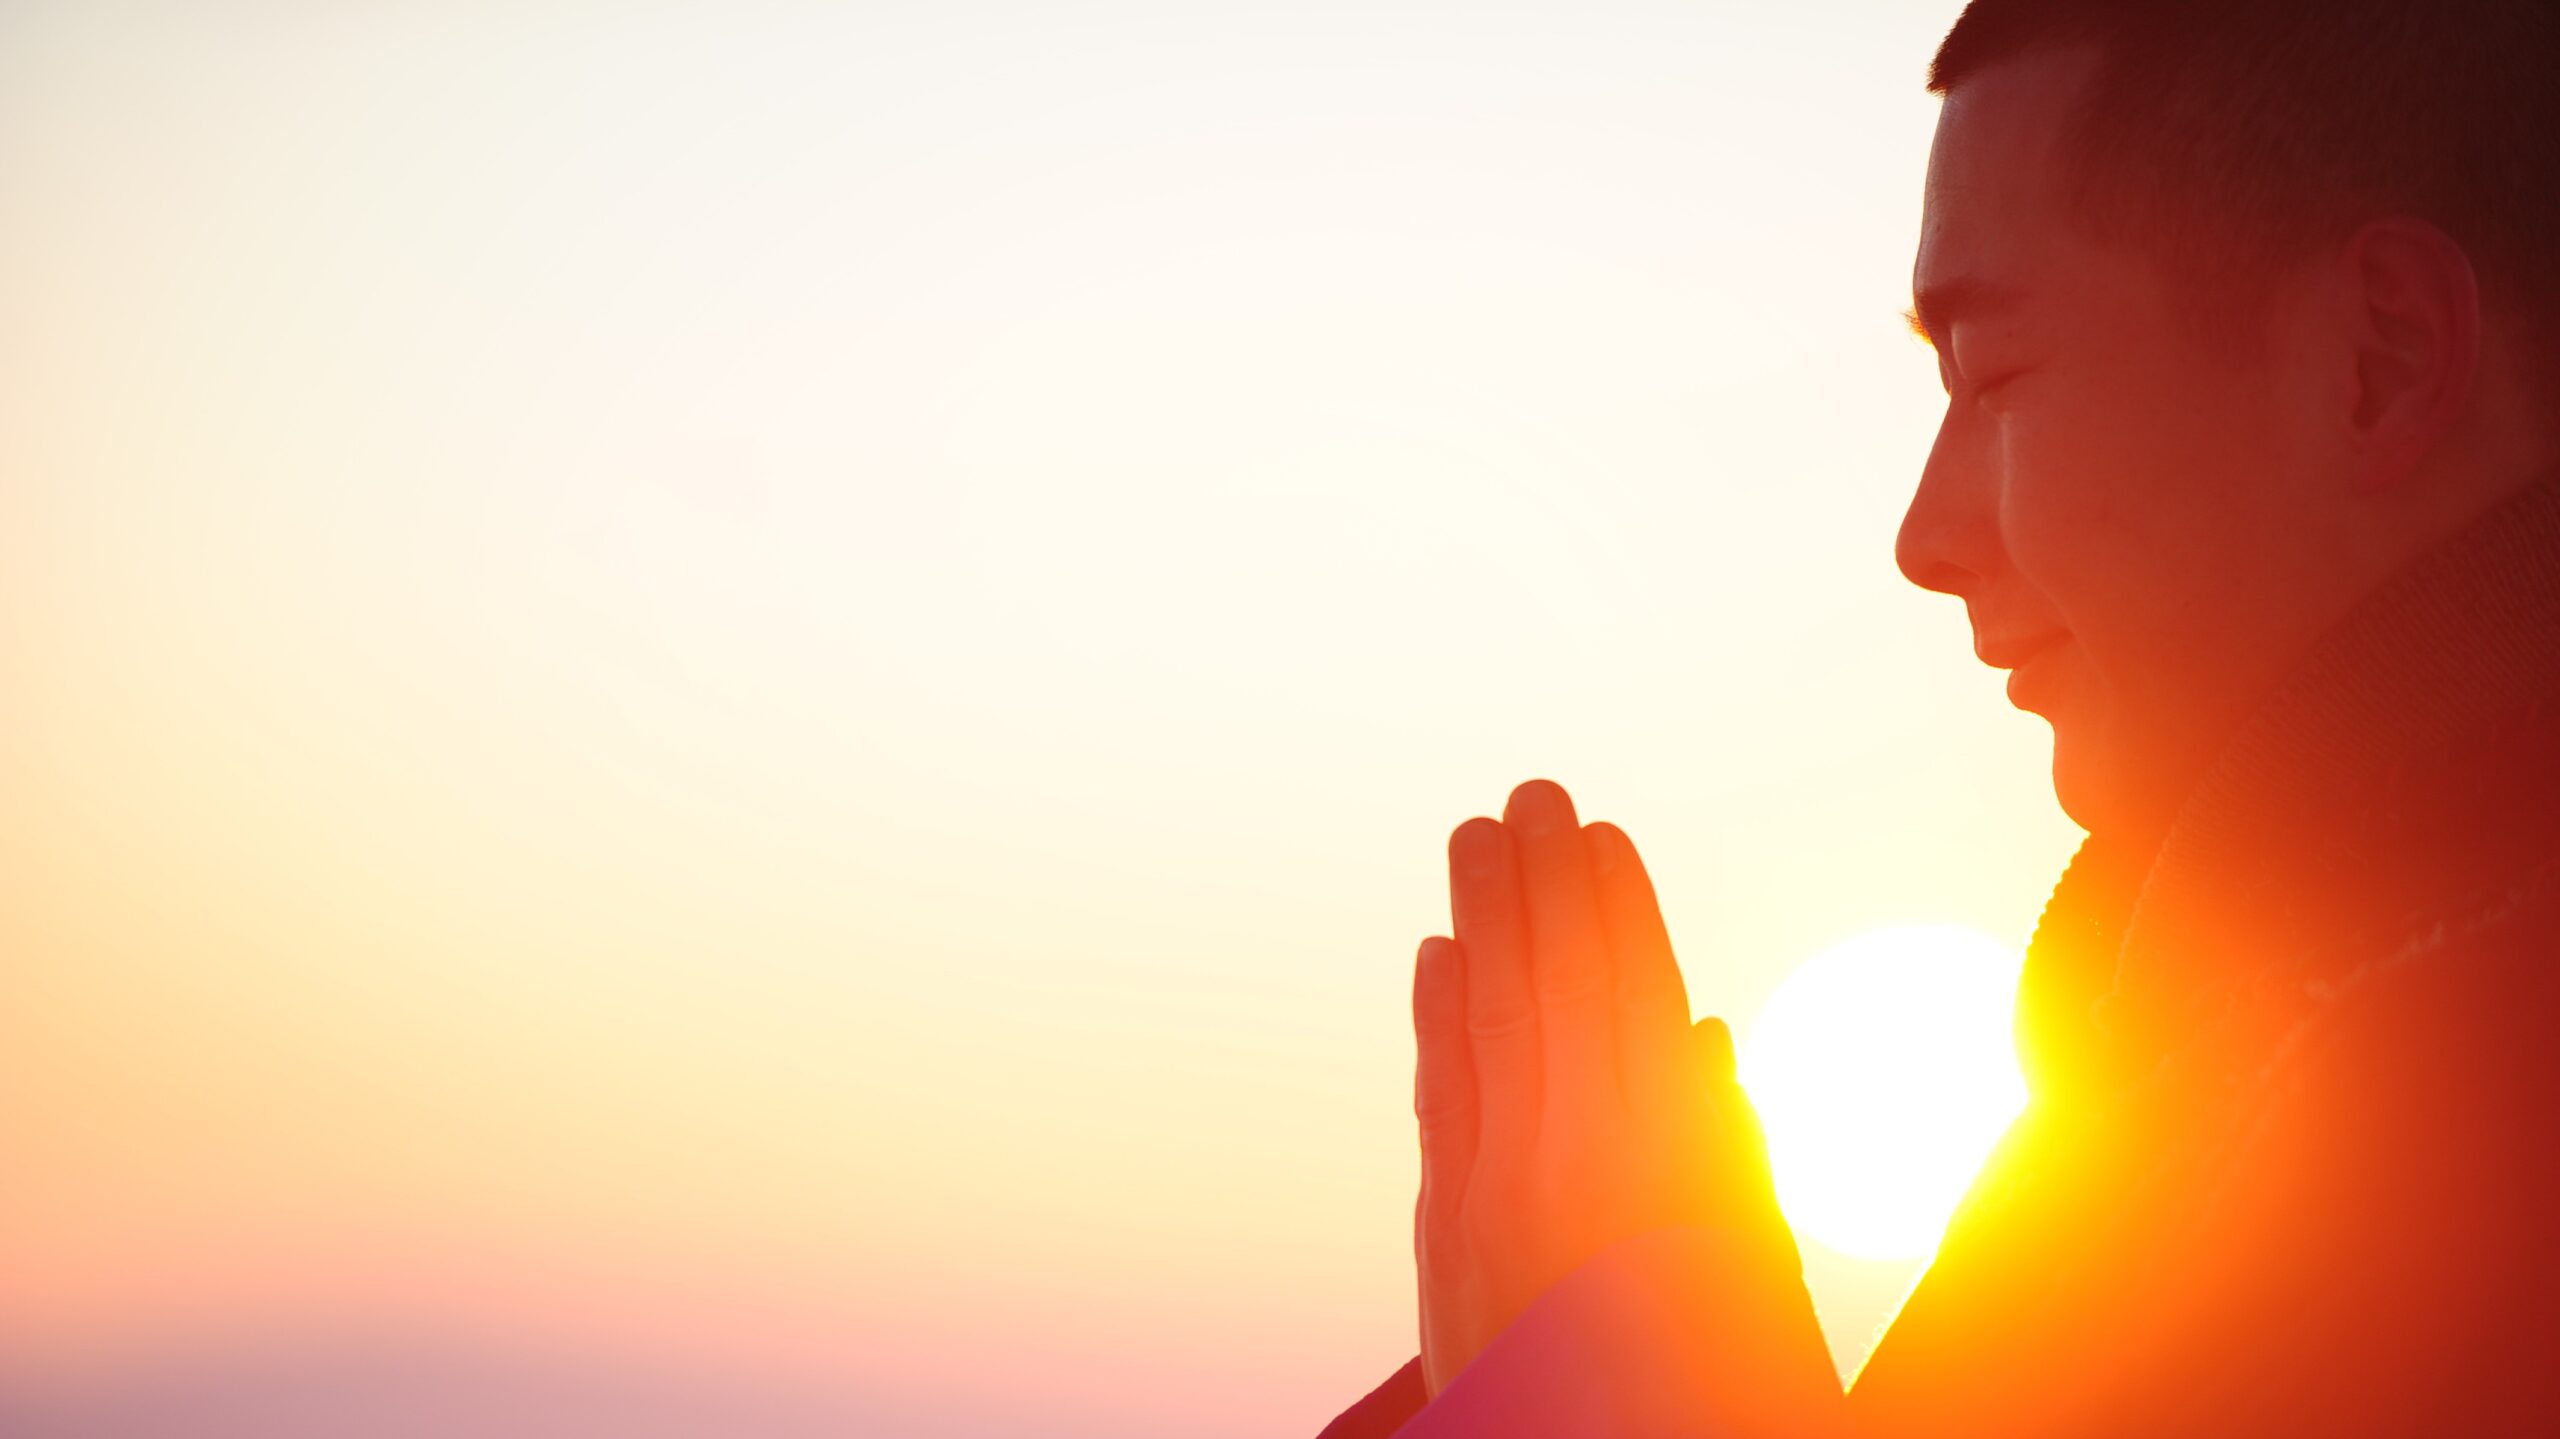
(2009, 652)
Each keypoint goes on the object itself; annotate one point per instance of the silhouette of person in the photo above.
(2248, 314)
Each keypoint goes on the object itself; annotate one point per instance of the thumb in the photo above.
(1746, 1148)
(1715, 1049)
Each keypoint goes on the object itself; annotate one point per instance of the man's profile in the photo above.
(2248, 315)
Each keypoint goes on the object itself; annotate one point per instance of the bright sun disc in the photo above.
(1883, 1071)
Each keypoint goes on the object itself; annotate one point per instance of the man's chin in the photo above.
(2080, 779)
(2088, 773)
(2107, 791)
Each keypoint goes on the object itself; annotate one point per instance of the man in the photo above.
(2248, 313)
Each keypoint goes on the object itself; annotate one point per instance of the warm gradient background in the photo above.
(737, 704)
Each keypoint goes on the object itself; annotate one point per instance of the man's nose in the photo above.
(1946, 542)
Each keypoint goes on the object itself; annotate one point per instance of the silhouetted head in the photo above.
(2240, 304)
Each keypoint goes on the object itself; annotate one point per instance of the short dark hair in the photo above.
(2227, 135)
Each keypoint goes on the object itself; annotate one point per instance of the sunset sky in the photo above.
(769, 694)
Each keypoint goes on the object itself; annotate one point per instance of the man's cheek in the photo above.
(2061, 553)
(2047, 500)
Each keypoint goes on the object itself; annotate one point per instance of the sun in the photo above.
(1884, 1072)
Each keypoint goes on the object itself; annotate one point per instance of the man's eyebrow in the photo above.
(1936, 308)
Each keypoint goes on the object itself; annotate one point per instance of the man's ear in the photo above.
(2414, 325)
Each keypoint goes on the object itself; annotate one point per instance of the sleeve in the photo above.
(1385, 1409)
(1686, 1332)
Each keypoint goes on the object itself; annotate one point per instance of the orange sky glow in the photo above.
(773, 693)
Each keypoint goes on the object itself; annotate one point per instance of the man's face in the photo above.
(2132, 518)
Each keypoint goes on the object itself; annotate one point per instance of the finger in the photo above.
(1502, 1010)
(1715, 1050)
(1444, 1092)
(1742, 1149)
(1569, 962)
(1656, 1053)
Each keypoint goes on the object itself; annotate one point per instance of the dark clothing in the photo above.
(2289, 1165)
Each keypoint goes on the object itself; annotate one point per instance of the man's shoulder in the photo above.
(2452, 1008)
(2377, 1229)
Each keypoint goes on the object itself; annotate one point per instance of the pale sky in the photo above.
(781, 685)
